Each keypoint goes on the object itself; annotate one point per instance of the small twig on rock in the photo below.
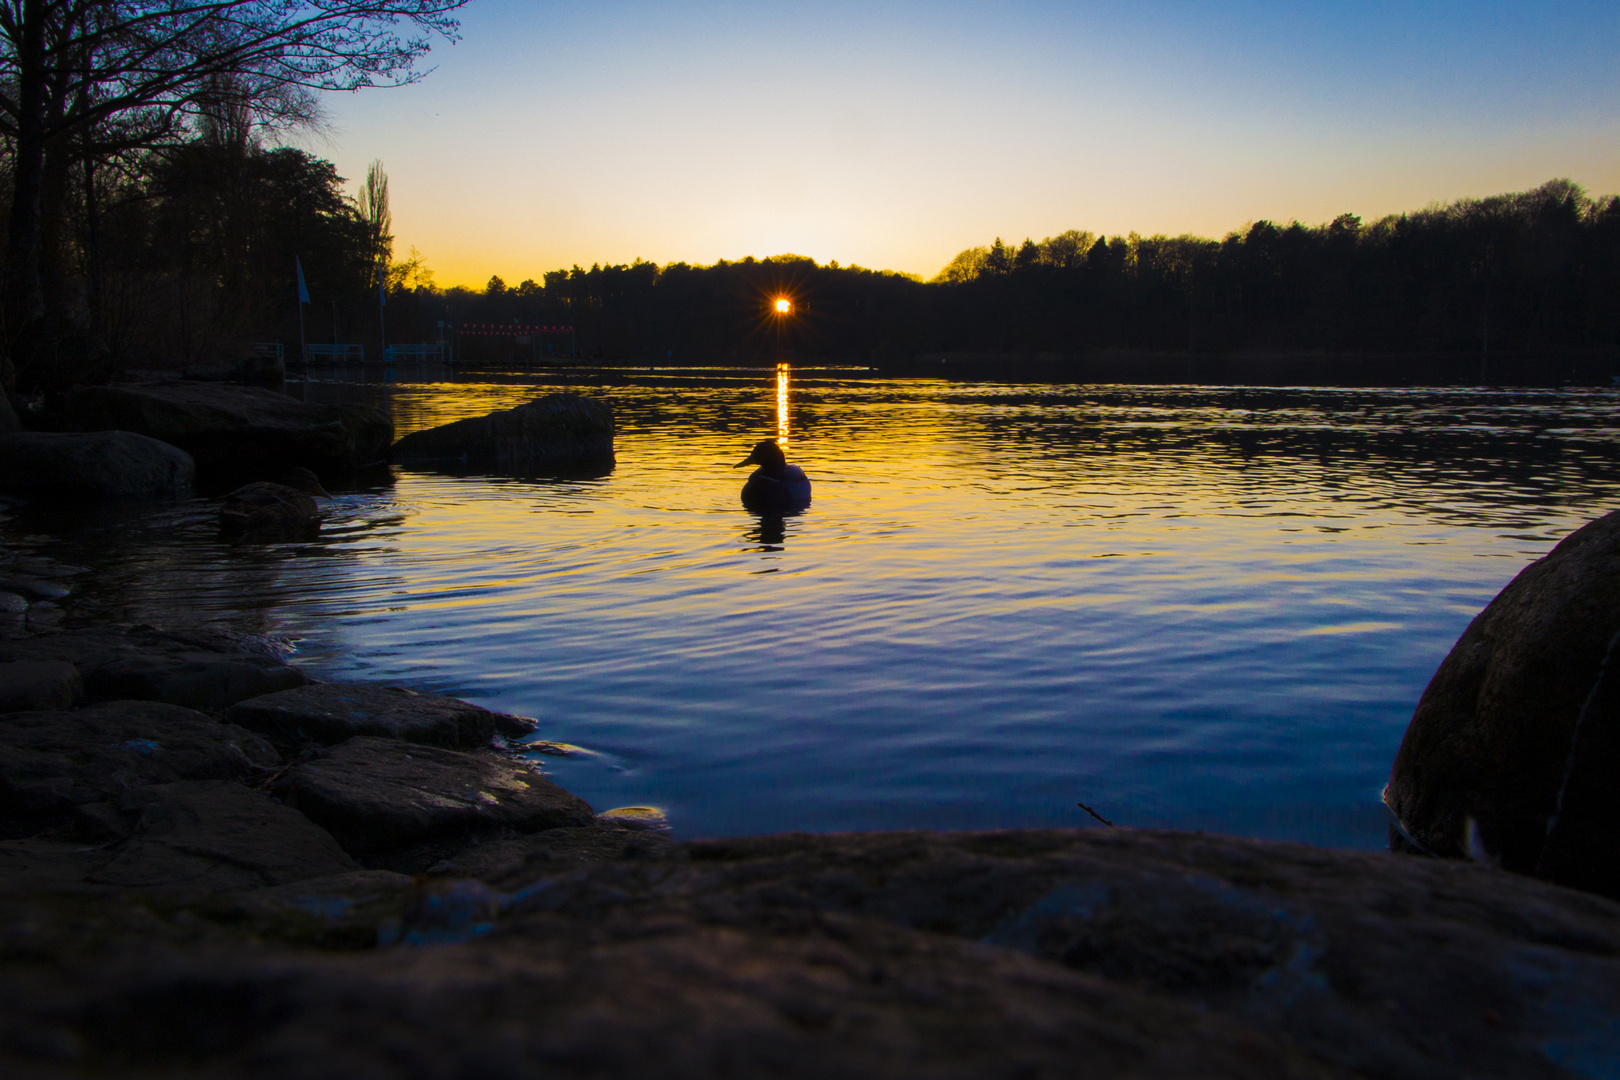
(1096, 815)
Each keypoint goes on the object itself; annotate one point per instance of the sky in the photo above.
(894, 134)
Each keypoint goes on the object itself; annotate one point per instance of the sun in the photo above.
(783, 305)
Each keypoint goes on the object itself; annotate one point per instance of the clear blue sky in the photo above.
(895, 134)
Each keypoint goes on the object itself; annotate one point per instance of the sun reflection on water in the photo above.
(782, 372)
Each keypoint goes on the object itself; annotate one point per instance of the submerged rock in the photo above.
(198, 670)
(54, 763)
(97, 466)
(556, 432)
(235, 429)
(329, 713)
(382, 797)
(1514, 748)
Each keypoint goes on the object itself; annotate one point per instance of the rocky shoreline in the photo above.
(213, 865)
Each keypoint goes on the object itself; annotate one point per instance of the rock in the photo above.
(640, 818)
(381, 797)
(53, 763)
(359, 909)
(329, 713)
(216, 835)
(12, 604)
(237, 429)
(1518, 732)
(555, 432)
(508, 726)
(57, 466)
(198, 670)
(32, 586)
(511, 862)
(1098, 953)
(39, 685)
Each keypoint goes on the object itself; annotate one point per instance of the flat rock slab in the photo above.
(553, 432)
(94, 466)
(32, 685)
(1097, 953)
(238, 428)
(210, 836)
(329, 713)
(54, 763)
(381, 795)
(199, 671)
(359, 909)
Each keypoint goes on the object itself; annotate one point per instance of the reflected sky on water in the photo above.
(1194, 607)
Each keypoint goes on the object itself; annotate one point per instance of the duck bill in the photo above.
(749, 460)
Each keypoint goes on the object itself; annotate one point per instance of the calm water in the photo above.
(1195, 607)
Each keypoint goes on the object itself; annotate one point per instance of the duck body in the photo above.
(267, 510)
(775, 487)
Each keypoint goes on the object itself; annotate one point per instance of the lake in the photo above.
(1199, 607)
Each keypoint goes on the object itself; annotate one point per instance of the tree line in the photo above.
(1511, 274)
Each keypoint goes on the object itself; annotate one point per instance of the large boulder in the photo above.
(196, 669)
(329, 713)
(237, 429)
(553, 433)
(96, 465)
(54, 765)
(380, 797)
(1513, 752)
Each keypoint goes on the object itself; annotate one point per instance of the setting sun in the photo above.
(783, 305)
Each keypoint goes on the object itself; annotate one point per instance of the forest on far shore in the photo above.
(194, 254)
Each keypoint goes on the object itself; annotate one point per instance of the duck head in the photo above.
(768, 456)
(305, 481)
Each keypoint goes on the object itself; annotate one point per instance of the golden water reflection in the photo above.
(783, 370)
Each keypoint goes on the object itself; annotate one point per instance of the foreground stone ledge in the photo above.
(1107, 953)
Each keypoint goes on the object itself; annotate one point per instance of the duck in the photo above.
(775, 486)
(267, 510)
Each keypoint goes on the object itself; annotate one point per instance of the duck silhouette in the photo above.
(267, 510)
(775, 487)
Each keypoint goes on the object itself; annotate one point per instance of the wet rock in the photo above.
(100, 465)
(53, 763)
(1516, 741)
(640, 818)
(554, 432)
(329, 713)
(12, 604)
(382, 797)
(1099, 953)
(236, 429)
(209, 836)
(508, 726)
(145, 664)
(39, 685)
